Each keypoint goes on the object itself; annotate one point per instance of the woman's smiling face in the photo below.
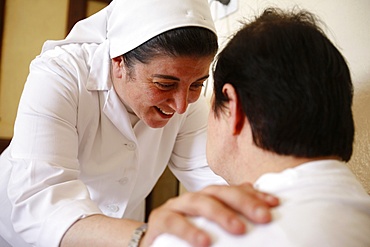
(162, 87)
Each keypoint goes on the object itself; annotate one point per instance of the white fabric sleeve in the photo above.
(44, 189)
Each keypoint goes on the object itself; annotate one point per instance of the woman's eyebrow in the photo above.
(203, 78)
(170, 77)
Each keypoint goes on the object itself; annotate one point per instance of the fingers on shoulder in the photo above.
(244, 199)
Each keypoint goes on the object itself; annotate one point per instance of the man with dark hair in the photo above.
(281, 119)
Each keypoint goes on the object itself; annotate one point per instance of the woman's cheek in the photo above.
(194, 96)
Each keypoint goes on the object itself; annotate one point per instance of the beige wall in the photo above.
(28, 23)
(348, 27)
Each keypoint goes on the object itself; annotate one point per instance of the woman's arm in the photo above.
(219, 203)
(100, 230)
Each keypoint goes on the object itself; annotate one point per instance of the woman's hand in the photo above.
(219, 203)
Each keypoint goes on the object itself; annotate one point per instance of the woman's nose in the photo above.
(181, 101)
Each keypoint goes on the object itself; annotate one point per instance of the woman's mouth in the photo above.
(165, 113)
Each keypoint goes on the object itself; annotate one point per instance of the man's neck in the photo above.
(260, 162)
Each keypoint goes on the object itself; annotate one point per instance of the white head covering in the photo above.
(126, 24)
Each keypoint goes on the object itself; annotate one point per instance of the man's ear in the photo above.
(236, 115)
(117, 66)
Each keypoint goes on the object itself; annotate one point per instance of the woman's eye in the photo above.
(164, 86)
(197, 85)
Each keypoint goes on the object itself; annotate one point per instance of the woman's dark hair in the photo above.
(186, 41)
(293, 83)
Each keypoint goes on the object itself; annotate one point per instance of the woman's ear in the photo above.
(235, 114)
(117, 67)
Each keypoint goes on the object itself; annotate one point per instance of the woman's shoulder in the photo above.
(80, 53)
(69, 61)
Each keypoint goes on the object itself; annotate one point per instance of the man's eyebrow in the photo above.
(170, 77)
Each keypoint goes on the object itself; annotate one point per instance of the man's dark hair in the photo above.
(293, 83)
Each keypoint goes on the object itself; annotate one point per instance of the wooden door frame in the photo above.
(4, 143)
(77, 10)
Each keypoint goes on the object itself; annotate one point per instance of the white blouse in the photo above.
(74, 152)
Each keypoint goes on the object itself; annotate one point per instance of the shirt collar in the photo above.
(100, 66)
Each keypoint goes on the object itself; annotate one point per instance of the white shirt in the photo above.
(74, 152)
(322, 204)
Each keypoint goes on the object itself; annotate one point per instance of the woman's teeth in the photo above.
(164, 112)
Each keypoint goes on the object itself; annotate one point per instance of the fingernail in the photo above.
(261, 213)
(202, 240)
(238, 226)
(272, 200)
